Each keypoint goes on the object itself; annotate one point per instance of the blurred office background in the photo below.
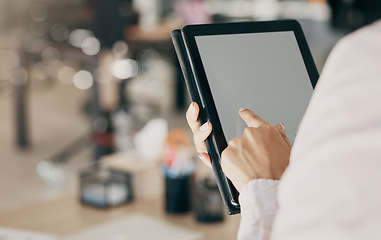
(80, 80)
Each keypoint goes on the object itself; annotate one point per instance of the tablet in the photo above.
(263, 66)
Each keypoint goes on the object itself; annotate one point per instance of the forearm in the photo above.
(259, 204)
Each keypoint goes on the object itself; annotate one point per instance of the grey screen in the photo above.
(264, 72)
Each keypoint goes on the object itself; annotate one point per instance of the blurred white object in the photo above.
(78, 36)
(123, 130)
(270, 9)
(112, 194)
(150, 140)
(266, 9)
(124, 68)
(83, 80)
(54, 174)
(148, 13)
(90, 46)
(18, 234)
(135, 226)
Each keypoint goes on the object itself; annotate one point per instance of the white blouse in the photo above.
(332, 187)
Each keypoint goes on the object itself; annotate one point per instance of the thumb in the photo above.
(251, 119)
(282, 131)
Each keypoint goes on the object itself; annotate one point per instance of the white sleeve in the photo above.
(258, 200)
(331, 189)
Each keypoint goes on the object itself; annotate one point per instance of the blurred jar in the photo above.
(209, 207)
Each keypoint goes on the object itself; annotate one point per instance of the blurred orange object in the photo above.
(177, 157)
(178, 138)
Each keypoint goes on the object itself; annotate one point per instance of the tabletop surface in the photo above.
(66, 215)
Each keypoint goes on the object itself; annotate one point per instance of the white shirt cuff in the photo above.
(258, 200)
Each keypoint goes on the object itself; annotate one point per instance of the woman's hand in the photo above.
(199, 133)
(263, 151)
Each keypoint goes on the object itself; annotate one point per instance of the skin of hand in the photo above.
(263, 151)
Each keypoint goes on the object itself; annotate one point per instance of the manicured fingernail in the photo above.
(282, 127)
(242, 109)
(204, 127)
(191, 107)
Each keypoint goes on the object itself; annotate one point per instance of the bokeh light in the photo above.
(90, 46)
(51, 55)
(120, 49)
(66, 74)
(83, 80)
(124, 69)
(59, 32)
(77, 36)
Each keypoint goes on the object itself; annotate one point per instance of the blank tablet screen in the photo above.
(264, 72)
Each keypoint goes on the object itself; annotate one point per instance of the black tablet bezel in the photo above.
(208, 108)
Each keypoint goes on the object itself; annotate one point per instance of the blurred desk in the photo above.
(66, 215)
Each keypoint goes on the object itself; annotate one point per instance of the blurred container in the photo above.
(105, 188)
(178, 194)
(147, 180)
(208, 203)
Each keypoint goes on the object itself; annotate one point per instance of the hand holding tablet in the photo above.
(264, 66)
(247, 157)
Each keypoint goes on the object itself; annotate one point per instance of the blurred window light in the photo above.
(38, 28)
(83, 80)
(38, 12)
(59, 32)
(51, 55)
(20, 5)
(77, 36)
(120, 49)
(19, 77)
(90, 46)
(124, 69)
(66, 74)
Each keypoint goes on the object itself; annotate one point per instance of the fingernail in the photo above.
(199, 155)
(191, 107)
(242, 109)
(282, 127)
(204, 127)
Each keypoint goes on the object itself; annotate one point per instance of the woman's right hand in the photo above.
(200, 133)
